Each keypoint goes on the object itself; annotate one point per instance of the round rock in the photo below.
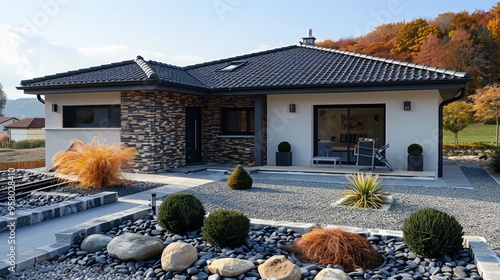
(229, 267)
(178, 256)
(95, 242)
(134, 247)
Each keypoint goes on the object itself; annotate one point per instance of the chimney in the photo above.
(309, 40)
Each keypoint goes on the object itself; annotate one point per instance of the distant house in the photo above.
(238, 109)
(27, 129)
(4, 121)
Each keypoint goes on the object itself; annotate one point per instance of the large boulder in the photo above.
(95, 242)
(229, 267)
(135, 247)
(279, 268)
(178, 256)
(332, 274)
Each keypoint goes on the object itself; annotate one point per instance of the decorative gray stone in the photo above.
(134, 247)
(229, 267)
(178, 257)
(331, 274)
(95, 242)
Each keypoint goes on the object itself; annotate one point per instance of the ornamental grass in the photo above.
(364, 192)
(95, 164)
(336, 246)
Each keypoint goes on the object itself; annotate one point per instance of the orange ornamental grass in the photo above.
(96, 164)
(336, 246)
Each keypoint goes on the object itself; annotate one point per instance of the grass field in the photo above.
(471, 134)
(5, 149)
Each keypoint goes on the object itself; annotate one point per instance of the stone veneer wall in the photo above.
(153, 122)
(220, 148)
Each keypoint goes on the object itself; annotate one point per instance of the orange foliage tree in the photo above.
(487, 105)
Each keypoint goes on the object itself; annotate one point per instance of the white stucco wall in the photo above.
(57, 138)
(4, 124)
(420, 125)
(19, 134)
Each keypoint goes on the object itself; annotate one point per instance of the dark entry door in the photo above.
(193, 135)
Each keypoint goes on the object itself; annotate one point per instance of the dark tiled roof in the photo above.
(4, 119)
(293, 66)
(28, 123)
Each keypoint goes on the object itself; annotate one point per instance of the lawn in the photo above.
(5, 149)
(471, 134)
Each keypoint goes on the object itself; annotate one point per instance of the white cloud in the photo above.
(124, 52)
(263, 47)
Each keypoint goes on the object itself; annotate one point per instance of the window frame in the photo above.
(104, 112)
(249, 111)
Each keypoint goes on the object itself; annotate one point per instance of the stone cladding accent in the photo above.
(154, 123)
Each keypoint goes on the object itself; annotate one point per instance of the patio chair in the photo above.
(380, 155)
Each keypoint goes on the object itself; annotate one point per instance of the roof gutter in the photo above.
(440, 130)
(40, 99)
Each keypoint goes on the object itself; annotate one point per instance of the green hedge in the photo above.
(28, 144)
(474, 149)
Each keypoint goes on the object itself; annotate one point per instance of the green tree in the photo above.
(3, 99)
(456, 117)
(487, 105)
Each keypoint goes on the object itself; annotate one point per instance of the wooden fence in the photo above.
(22, 164)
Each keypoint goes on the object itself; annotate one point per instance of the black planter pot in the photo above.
(283, 158)
(415, 163)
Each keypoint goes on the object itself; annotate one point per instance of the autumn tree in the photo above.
(487, 105)
(3, 100)
(412, 34)
(456, 117)
(494, 23)
(432, 52)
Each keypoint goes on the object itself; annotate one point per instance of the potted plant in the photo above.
(415, 157)
(284, 154)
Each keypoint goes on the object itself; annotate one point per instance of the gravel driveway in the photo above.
(478, 210)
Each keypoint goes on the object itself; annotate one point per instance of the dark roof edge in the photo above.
(237, 57)
(78, 71)
(150, 73)
(393, 61)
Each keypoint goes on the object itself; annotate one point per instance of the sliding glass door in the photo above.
(338, 128)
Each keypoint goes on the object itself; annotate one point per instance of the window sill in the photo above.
(235, 136)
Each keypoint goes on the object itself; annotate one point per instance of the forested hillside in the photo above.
(465, 41)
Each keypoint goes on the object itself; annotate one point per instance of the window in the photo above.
(92, 116)
(238, 121)
(232, 66)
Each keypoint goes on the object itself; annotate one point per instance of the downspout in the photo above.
(440, 138)
(40, 99)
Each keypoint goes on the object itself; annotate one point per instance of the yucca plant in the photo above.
(364, 191)
(95, 164)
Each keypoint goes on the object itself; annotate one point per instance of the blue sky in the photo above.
(44, 37)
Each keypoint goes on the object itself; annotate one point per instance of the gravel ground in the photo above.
(122, 190)
(478, 210)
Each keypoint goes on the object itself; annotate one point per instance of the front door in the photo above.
(193, 135)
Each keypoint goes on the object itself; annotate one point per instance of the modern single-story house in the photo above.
(4, 121)
(238, 109)
(26, 129)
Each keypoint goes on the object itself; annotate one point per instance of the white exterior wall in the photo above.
(3, 130)
(57, 138)
(420, 125)
(18, 134)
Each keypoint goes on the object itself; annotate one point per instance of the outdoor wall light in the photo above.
(54, 107)
(291, 108)
(407, 106)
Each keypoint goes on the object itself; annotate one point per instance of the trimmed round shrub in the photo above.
(226, 228)
(495, 162)
(284, 147)
(180, 213)
(432, 233)
(239, 179)
(415, 149)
